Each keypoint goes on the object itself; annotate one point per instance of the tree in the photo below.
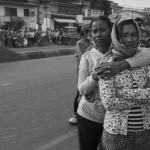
(15, 23)
(102, 5)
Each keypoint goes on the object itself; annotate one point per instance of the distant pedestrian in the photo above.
(48, 35)
(25, 42)
(145, 36)
(14, 39)
(81, 46)
(1, 37)
(5, 38)
(57, 34)
(31, 37)
(9, 36)
(139, 22)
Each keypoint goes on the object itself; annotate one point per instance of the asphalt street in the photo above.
(36, 103)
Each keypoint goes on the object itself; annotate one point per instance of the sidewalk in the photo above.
(49, 51)
(15, 54)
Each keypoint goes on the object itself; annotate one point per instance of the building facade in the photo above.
(56, 15)
(20, 8)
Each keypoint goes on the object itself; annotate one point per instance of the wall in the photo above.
(1, 10)
(30, 22)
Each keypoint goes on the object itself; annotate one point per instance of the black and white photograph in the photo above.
(75, 75)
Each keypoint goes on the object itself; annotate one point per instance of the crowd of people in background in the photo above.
(29, 37)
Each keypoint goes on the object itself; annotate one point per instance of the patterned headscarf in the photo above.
(120, 50)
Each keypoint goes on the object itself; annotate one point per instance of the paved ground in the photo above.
(36, 104)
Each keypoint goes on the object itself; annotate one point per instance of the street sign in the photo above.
(96, 13)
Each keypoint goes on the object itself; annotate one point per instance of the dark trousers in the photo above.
(89, 133)
(14, 42)
(76, 102)
(31, 41)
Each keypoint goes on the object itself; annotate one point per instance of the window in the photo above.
(32, 13)
(73, 11)
(26, 12)
(10, 11)
(62, 10)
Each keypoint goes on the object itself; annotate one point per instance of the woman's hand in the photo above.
(95, 76)
(107, 70)
(103, 71)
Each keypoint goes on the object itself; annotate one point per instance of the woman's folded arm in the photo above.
(108, 95)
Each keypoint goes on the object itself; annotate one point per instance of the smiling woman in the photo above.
(125, 37)
(125, 96)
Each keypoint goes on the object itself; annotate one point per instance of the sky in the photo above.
(134, 3)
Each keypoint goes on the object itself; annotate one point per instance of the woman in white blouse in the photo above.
(125, 96)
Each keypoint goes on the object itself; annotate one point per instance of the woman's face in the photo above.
(88, 35)
(129, 36)
(144, 34)
(101, 33)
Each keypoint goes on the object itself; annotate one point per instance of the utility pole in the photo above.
(132, 13)
(82, 7)
(45, 2)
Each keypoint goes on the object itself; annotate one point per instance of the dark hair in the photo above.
(78, 30)
(139, 19)
(81, 32)
(102, 18)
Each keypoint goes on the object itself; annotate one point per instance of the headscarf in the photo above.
(120, 50)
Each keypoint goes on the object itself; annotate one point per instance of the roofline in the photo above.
(53, 15)
(130, 10)
(18, 3)
(67, 4)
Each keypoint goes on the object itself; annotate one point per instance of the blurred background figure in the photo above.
(31, 37)
(48, 35)
(139, 21)
(144, 32)
(25, 42)
(82, 44)
(145, 36)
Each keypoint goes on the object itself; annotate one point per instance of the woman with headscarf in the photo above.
(125, 96)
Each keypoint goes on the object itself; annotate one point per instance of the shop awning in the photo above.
(64, 20)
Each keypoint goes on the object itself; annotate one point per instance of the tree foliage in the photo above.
(15, 23)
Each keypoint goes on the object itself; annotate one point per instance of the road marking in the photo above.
(5, 84)
(57, 141)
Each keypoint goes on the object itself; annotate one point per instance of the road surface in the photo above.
(36, 103)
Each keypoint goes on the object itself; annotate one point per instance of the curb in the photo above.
(9, 55)
(45, 54)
